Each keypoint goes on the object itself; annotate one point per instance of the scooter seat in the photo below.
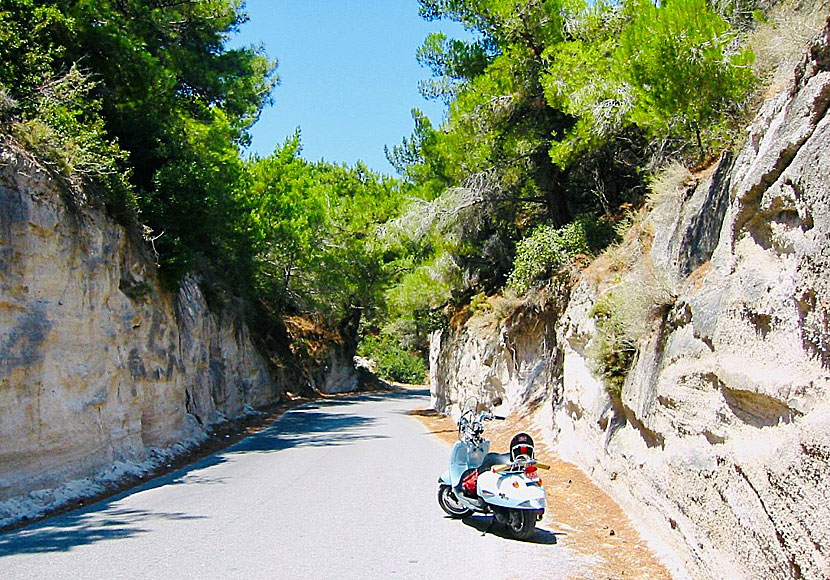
(492, 459)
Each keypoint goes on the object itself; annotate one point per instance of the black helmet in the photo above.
(521, 447)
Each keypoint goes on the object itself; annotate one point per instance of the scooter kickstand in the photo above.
(490, 527)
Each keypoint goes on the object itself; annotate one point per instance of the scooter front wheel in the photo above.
(522, 524)
(450, 504)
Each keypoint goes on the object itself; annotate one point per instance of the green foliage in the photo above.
(162, 60)
(582, 80)
(288, 214)
(452, 62)
(393, 362)
(420, 278)
(425, 287)
(30, 33)
(314, 228)
(549, 105)
(479, 303)
(167, 91)
(424, 160)
(499, 121)
(613, 349)
(486, 170)
(552, 103)
(62, 126)
(50, 107)
(548, 248)
(625, 315)
(347, 266)
(193, 205)
(674, 70)
(678, 60)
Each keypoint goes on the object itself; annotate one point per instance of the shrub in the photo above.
(624, 316)
(548, 248)
(479, 303)
(393, 362)
(424, 287)
(613, 349)
(781, 38)
(66, 131)
(679, 58)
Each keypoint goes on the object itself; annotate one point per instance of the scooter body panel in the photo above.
(463, 457)
(510, 490)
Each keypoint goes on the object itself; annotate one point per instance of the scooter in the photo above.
(504, 485)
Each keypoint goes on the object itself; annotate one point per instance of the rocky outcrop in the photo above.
(720, 439)
(326, 358)
(512, 357)
(98, 364)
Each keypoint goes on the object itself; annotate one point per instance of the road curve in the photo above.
(342, 489)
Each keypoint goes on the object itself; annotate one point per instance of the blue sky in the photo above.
(348, 75)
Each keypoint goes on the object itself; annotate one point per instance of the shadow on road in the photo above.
(82, 528)
(401, 394)
(307, 426)
(484, 524)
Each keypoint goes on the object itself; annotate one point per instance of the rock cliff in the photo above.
(100, 367)
(719, 440)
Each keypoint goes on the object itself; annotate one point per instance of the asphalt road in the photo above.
(339, 489)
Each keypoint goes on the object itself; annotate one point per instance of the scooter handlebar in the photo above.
(486, 416)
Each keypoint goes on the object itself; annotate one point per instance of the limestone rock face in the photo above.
(97, 363)
(514, 359)
(338, 374)
(720, 441)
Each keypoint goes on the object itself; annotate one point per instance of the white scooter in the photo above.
(506, 485)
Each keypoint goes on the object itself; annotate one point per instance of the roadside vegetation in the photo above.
(560, 112)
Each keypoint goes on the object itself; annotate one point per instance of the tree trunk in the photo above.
(549, 182)
(349, 327)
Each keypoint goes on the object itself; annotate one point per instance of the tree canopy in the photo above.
(557, 110)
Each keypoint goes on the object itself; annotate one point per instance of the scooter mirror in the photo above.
(501, 410)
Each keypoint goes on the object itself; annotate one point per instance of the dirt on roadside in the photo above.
(583, 517)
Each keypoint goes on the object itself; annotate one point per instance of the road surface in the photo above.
(341, 489)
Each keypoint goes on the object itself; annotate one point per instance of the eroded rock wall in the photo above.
(97, 363)
(515, 359)
(720, 441)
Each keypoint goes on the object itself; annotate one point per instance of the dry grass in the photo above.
(698, 277)
(643, 297)
(583, 517)
(307, 331)
(780, 42)
(669, 182)
(621, 258)
(505, 305)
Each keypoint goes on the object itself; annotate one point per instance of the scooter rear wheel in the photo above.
(522, 524)
(450, 504)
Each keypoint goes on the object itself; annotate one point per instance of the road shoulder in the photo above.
(583, 517)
